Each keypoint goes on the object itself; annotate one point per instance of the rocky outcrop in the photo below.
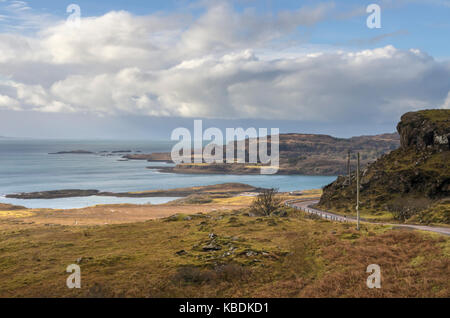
(411, 178)
(424, 130)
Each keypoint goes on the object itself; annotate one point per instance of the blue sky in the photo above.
(424, 25)
(309, 66)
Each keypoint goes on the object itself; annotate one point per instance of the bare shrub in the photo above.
(266, 203)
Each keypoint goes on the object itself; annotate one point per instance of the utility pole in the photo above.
(348, 169)
(357, 195)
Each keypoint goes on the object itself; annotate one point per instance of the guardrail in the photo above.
(339, 218)
(323, 215)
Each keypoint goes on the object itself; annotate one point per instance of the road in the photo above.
(306, 207)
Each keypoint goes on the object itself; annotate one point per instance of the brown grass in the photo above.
(268, 257)
(114, 214)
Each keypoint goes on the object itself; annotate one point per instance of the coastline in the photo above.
(218, 189)
(214, 200)
(234, 169)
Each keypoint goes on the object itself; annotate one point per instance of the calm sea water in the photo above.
(26, 166)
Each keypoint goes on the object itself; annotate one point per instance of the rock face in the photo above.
(424, 130)
(411, 178)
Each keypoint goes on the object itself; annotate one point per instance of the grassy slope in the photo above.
(269, 257)
(382, 192)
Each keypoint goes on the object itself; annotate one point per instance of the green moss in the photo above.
(436, 115)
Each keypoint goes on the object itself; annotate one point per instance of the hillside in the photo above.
(304, 154)
(327, 155)
(411, 183)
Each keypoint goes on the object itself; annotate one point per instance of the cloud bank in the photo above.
(216, 65)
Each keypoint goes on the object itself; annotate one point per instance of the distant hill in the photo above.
(412, 182)
(304, 154)
(327, 155)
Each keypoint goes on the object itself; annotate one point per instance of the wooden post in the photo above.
(357, 195)
(348, 169)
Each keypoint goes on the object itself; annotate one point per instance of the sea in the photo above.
(27, 166)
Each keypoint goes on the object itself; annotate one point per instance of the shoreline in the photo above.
(217, 189)
(118, 213)
(228, 169)
(82, 202)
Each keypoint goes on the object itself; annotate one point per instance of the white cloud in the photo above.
(179, 65)
(222, 29)
(7, 102)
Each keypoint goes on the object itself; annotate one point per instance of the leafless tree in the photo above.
(266, 202)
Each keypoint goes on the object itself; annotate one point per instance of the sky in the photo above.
(138, 69)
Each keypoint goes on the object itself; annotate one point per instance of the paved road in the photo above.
(306, 206)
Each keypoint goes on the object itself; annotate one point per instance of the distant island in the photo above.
(86, 152)
(77, 152)
(225, 189)
(300, 154)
